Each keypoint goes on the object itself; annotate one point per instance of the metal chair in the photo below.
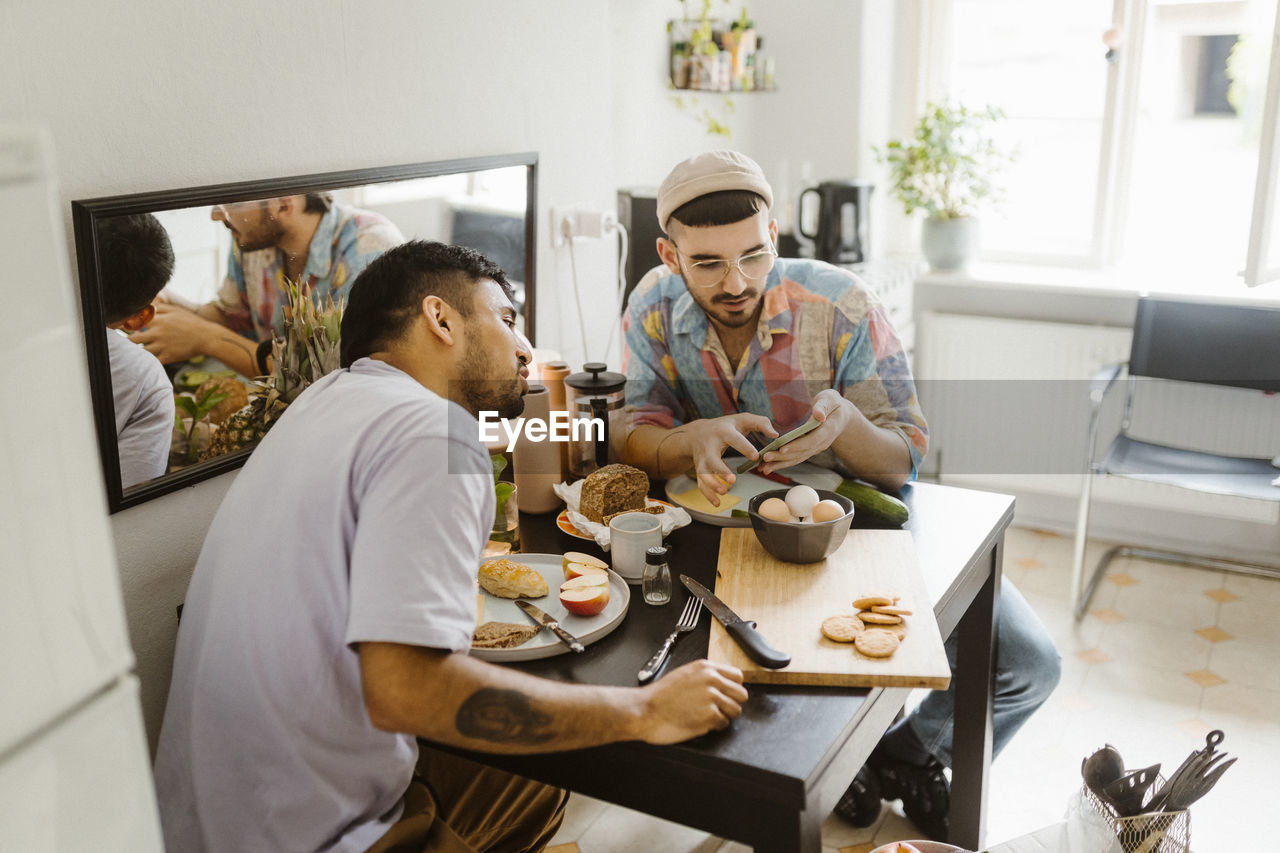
(1215, 344)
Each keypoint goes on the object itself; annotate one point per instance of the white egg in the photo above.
(827, 511)
(774, 510)
(801, 500)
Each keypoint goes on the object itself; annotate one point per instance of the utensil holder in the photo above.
(1156, 832)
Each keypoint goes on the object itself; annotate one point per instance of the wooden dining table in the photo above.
(772, 777)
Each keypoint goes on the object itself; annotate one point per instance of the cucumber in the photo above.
(871, 500)
(190, 380)
(739, 513)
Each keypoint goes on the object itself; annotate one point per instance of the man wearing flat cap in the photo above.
(726, 339)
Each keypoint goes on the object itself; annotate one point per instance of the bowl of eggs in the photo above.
(800, 524)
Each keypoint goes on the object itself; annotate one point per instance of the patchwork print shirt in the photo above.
(346, 241)
(820, 327)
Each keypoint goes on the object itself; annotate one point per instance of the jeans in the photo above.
(1028, 667)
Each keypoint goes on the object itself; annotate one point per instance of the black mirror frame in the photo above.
(86, 212)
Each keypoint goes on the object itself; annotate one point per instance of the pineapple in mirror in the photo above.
(308, 350)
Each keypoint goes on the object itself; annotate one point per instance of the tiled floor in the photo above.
(1166, 654)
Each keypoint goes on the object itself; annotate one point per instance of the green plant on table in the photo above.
(196, 409)
(949, 165)
(502, 491)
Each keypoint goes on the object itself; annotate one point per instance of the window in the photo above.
(1157, 157)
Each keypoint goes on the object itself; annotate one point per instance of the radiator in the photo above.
(1007, 405)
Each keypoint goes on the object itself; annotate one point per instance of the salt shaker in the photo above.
(656, 581)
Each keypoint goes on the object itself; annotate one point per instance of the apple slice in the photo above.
(586, 580)
(581, 558)
(585, 600)
(576, 570)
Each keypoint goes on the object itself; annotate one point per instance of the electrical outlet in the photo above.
(564, 224)
(578, 221)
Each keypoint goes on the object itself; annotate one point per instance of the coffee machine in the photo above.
(843, 230)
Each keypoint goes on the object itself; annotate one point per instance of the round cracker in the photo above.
(876, 643)
(899, 630)
(842, 629)
(892, 611)
(872, 601)
(877, 619)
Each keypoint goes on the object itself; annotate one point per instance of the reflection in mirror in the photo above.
(221, 304)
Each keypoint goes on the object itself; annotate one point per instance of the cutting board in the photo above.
(788, 601)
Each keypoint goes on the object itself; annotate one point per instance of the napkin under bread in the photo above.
(671, 516)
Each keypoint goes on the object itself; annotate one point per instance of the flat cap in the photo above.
(710, 172)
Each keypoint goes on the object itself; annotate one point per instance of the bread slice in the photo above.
(509, 579)
(502, 635)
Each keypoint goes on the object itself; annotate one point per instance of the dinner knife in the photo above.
(742, 631)
(546, 620)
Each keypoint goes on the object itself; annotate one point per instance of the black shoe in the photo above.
(860, 803)
(923, 789)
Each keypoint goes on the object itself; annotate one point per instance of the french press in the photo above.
(595, 399)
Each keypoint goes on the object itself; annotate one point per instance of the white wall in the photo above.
(154, 95)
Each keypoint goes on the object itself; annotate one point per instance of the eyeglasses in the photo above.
(754, 266)
(239, 206)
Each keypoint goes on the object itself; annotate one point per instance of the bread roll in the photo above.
(509, 579)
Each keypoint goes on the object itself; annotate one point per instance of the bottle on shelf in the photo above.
(764, 66)
(680, 65)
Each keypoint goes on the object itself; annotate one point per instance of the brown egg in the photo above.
(774, 509)
(827, 510)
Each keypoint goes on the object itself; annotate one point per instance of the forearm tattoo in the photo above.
(241, 343)
(502, 716)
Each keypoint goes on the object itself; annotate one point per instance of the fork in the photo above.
(688, 619)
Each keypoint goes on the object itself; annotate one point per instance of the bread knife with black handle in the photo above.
(742, 631)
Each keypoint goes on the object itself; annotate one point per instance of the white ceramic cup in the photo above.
(630, 535)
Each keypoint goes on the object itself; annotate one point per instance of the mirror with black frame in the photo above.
(206, 310)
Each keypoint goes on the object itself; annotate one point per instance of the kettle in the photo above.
(844, 208)
(597, 428)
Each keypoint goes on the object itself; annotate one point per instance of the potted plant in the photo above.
(947, 169)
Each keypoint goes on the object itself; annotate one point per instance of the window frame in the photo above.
(1259, 268)
(1117, 139)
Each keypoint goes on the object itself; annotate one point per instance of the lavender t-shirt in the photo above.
(360, 517)
(143, 399)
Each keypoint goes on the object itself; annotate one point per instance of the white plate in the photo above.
(749, 485)
(544, 644)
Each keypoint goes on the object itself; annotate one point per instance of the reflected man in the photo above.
(308, 238)
(727, 339)
(136, 260)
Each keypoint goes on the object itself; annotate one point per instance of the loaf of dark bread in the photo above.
(613, 489)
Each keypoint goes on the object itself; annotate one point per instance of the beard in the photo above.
(479, 393)
(263, 234)
(734, 319)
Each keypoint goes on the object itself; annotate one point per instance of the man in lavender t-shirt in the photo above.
(330, 614)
